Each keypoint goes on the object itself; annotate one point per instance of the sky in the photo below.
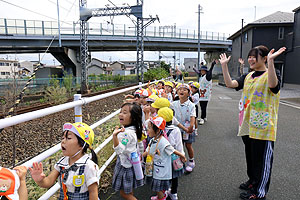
(218, 16)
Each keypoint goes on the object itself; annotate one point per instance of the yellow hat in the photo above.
(169, 83)
(196, 85)
(166, 113)
(160, 103)
(178, 84)
(82, 130)
(152, 98)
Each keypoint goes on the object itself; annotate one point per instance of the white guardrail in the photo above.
(76, 104)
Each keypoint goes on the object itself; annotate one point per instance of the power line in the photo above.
(31, 11)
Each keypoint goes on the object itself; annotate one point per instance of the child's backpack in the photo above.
(9, 184)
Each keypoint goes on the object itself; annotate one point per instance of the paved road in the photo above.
(220, 162)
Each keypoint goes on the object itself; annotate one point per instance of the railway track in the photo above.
(46, 105)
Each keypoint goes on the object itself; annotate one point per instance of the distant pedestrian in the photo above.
(258, 116)
(205, 81)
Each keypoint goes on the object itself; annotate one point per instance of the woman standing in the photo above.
(258, 116)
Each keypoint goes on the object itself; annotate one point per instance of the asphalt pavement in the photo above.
(219, 155)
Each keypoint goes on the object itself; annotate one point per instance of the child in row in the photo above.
(161, 150)
(195, 97)
(77, 173)
(13, 183)
(125, 142)
(185, 113)
(174, 137)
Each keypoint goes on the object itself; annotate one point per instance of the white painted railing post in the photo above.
(78, 109)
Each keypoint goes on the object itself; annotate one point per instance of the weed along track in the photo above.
(23, 141)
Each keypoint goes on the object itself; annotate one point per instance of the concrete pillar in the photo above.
(75, 58)
(209, 57)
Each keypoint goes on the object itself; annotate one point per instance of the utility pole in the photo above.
(58, 21)
(241, 50)
(199, 34)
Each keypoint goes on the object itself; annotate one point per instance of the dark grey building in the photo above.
(270, 31)
(292, 60)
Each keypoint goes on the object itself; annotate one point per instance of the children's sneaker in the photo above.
(201, 122)
(173, 196)
(190, 166)
(196, 132)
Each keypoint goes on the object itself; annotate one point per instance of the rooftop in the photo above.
(277, 17)
(270, 20)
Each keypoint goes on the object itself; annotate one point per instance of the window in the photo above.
(281, 33)
(15, 64)
(245, 37)
(7, 73)
(2, 73)
(6, 64)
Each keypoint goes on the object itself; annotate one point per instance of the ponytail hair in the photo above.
(136, 117)
(86, 146)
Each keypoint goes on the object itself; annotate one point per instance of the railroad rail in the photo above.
(47, 105)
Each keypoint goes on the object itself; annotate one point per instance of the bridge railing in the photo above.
(77, 105)
(50, 28)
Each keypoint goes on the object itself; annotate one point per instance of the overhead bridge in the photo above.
(32, 36)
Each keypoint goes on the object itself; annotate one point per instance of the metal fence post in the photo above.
(5, 24)
(78, 109)
(124, 30)
(187, 33)
(194, 34)
(180, 33)
(43, 28)
(25, 27)
(100, 28)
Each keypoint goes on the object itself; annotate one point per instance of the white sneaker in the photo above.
(190, 166)
(201, 122)
(205, 119)
(173, 196)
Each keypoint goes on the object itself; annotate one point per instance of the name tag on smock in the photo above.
(78, 180)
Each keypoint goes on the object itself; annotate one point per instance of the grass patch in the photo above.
(101, 133)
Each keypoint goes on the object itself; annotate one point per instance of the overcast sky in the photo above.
(218, 16)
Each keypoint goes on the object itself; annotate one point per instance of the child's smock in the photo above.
(9, 183)
(183, 112)
(85, 167)
(196, 98)
(127, 144)
(162, 166)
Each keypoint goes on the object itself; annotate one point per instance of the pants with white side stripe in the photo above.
(259, 159)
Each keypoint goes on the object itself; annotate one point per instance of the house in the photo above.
(270, 31)
(47, 71)
(25, 68)
(292, 59)
(189, 64)
(148, 64)
(9, 69)
(97, 67)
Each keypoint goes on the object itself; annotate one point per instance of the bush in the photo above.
(156, 73)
